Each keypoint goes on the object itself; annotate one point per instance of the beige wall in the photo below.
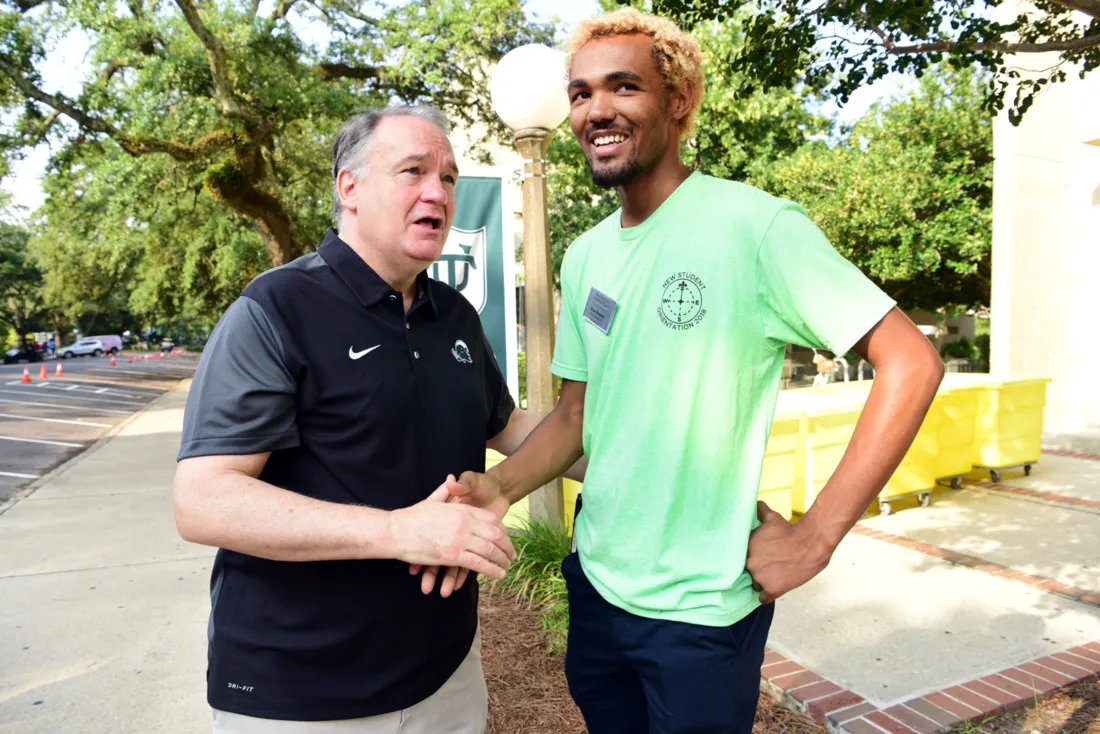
(1046, 248)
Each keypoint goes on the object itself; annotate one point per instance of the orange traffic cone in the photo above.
(43, 374)
(26, 375)
(59, 372)
(130, 358)
(112, 360)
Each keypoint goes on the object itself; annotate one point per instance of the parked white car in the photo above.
(82, 348)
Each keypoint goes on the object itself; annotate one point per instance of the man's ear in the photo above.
(346, 189)
(679, 104)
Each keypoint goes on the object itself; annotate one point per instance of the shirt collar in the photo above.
(367, 285)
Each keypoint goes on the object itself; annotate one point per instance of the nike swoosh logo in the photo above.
(356, 355)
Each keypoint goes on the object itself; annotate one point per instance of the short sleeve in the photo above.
(498, 401)
(242, 399)
(570, 359)
(810, 295)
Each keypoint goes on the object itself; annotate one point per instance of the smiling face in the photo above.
(403, 205)
(620, 110)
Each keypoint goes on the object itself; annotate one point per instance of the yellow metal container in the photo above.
(916, 475)
(1008, 426)
(827, 421)
(958, 406)
(777, 478)
(572, 490)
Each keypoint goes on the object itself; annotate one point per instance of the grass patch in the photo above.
(535, 578)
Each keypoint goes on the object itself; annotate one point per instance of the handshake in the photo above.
(457, 528)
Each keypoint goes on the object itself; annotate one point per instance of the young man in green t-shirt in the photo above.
(675, 314)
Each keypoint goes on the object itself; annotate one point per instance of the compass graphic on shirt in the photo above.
(682, 301)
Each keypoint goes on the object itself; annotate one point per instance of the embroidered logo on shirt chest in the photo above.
(461, 353)
(682, 301)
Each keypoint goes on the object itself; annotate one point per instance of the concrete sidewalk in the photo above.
(919, 609)
(915, 625)
(105, 608)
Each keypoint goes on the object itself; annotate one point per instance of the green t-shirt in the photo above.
(708, 291)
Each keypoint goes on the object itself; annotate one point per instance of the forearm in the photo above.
(551, 449)
(521, 425)
(894, 411)
(232, 510)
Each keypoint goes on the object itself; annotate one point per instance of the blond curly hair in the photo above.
(678, 56)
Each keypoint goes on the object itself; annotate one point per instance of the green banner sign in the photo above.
(479, 261)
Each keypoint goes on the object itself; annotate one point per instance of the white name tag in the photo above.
(600, 310)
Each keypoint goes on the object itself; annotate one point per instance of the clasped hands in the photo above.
(457, 528)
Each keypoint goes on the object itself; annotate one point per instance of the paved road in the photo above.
(46, 422)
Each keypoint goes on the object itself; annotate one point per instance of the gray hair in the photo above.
(352, 146)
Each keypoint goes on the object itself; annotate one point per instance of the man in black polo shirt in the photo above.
(335, 403)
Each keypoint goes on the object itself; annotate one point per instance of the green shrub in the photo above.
(962, 349)
(981, 341)
(536, 578)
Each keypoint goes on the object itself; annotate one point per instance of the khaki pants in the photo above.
(461, 706)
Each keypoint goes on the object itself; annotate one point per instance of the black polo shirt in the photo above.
(359, 403)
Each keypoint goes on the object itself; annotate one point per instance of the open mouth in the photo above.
(433, 223)
(607, 143)
(601, 141)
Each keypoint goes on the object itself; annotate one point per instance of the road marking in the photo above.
(55, 420)
(100, 391)
(42, 440)
(63, 405)
(81, 397)
(110, 391)
(18, 476)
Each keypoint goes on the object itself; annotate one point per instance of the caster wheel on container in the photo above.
(957, 483)
(884, 508)
(925, 499)
(995, 476)
(1027, 470)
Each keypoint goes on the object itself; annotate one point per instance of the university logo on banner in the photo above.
(462, 265)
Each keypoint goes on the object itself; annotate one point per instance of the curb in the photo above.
(841, 710)
(1041, 495)
(1091, 451)
(103, 440)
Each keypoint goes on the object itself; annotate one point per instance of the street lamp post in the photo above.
(528, 93)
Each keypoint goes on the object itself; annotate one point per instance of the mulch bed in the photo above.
(1073, 710)
(527, 689)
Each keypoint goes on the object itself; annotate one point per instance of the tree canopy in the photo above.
(845, 45)
(197, 151)
(22, 306)
(907, 196)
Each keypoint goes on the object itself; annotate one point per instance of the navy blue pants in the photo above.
(635, 675)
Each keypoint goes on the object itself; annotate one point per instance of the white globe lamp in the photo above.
(528, 87)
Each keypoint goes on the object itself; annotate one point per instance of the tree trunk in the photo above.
(19, 320)
(280, 245)
(271, 218)
(57, 328)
